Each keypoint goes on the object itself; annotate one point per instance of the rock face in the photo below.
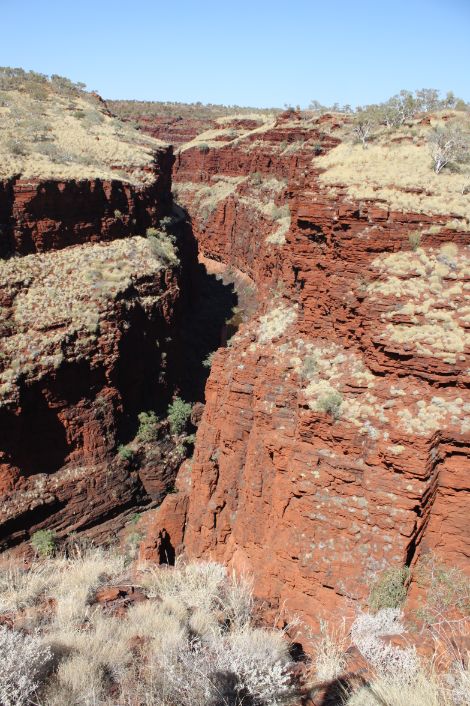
(83, 345)
(36, 216)
(174, 130)
(88, 324)
(336, 438)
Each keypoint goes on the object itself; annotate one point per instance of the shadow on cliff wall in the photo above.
(35, 439)
(207, 306)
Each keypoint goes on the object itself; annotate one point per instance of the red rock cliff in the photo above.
(36, 215)
(335, 439)
(88, 324)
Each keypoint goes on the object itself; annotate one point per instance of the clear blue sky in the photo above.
(249, 52)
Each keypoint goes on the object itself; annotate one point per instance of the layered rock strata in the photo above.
(38, 215)
(335, 440)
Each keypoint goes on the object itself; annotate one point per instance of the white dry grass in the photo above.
(428, 287)
(329, 650)
(275, 322)
(190, 643)
(22, 658)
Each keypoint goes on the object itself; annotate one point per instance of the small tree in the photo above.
(179, 412)
(363, 124)
(447, 144)
(148, 427)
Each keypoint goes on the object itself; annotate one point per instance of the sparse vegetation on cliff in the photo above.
(389, 589)
(44, 542)
(163, 246)
(133, 109)
(397, 168)
(51, 128)
(62, 296)
(179, 413)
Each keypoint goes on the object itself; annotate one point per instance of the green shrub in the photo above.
(148, 427)
(179, 412)
(207, 362)
(331, 404)
(44, 542)
(163, 246)
(204, 148)
(389, 590)
(125, 453)
(309, 366)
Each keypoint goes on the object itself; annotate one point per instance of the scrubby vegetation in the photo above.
(190, 641)
(389, 589)
(67, 291)
(416, 155)
(401, 107)
(330, 403)
(52, 128)
(163, 245)
(132, 109)
(44, 542)
(179, 413)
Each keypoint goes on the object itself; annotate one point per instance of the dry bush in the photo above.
(22, 661)
(388, 660)
(446, 590)
(329, 649)
(191, 642)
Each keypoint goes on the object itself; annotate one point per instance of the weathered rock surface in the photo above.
(336, 438)
(174, 130)
(36, 216)
(84, 342)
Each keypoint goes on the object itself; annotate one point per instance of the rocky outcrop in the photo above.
(335, 440)
(85, 348)
(89, 324)
(38, 215)
(173, 130)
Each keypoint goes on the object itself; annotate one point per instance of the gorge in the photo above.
(334, 440)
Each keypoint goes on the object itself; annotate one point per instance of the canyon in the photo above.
(333, 429)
